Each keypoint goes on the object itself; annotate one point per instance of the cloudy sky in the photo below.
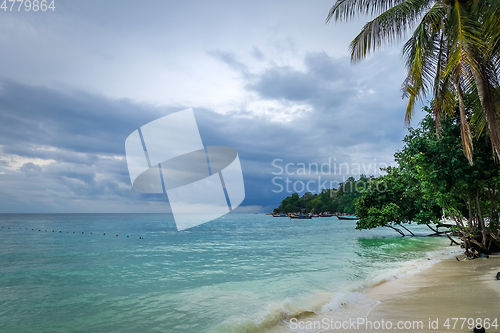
(268, 78)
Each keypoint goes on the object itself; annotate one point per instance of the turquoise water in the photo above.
(239, 273)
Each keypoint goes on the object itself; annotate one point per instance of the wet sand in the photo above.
(449, 289)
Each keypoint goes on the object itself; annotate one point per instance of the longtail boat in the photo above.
(347, 218)
(300, 216)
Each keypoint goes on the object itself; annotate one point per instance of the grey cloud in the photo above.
(73, 120)
(34, 151)
(323, 66)
(30, 168)
(152, 53)
(324, 78)
(257, 54)
(285, 82)
(230, 59)
(348, 101)
(346, 122)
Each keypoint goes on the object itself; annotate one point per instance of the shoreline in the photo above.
(423, 301)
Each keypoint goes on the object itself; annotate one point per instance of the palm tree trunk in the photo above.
(487, 105)
(481, 221)
(464, 124)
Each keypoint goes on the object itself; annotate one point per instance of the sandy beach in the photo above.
(449, 289)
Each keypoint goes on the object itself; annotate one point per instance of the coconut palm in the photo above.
(453, 52)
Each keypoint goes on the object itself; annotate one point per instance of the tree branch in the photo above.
(402, 234)
(412, 234)
(451, 239)
(436, 231)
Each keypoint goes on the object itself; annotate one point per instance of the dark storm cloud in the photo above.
(75, 129)
(81, 132)
(72, 120)
(343, 99)
(352, 119)
(63, 118)
(285, 82)
(349, 119)
(322, 66)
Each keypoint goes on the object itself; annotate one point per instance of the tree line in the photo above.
(335, 200)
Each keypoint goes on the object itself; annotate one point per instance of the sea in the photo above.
(239, 273)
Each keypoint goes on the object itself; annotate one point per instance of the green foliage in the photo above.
(445, 173)
(396, 198)
(341, 199)
(433, 174)
(453, 53)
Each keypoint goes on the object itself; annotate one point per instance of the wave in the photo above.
(413, 266)
(340, 305)
(271, 317)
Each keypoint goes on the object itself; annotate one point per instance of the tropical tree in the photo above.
(394, 200)
(433, 176)
(467, 192)
(453, 52)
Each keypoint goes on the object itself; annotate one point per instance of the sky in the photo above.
(268, 78)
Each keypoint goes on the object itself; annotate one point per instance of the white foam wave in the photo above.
(342, 305)
(341, 300)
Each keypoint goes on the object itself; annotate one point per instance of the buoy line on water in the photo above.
(60, 231)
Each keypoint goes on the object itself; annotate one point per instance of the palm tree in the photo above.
(453, 52)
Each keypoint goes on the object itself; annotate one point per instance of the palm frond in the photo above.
(344, 10)
(387, 28)
(424, 55)
(454, 52)
(469, 56)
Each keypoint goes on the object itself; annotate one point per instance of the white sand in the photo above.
(449, 289)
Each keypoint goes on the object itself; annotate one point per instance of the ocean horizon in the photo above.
(238, 273)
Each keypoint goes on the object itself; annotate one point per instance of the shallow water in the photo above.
(239, 273)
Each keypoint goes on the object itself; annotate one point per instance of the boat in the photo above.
(280, 215)
(347, 218)
(326, 215)
(300, 216)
